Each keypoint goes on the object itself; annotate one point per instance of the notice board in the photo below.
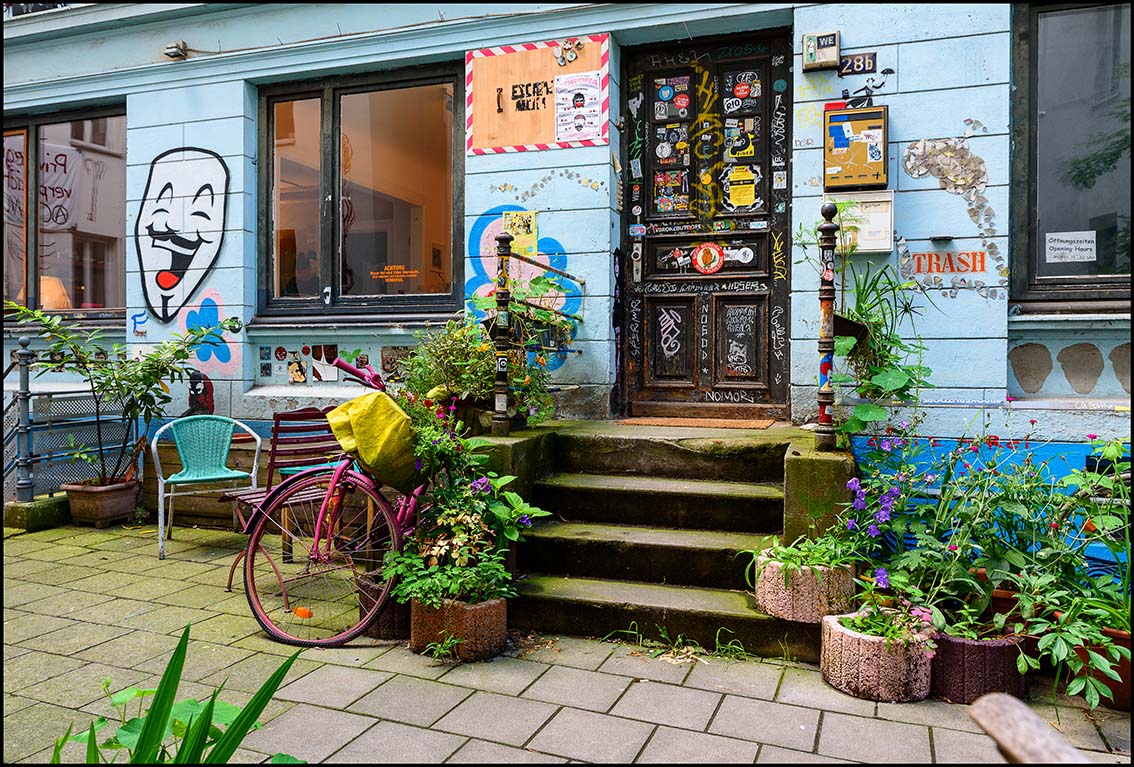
(534, 96)
(854, 148)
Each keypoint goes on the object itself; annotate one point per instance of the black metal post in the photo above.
(25, 488)
(825, 431)
(502, 337)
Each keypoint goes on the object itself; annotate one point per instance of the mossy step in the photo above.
(651, 554)
(593, 607)
(681, 503)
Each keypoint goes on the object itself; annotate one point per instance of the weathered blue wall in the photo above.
(949, 98)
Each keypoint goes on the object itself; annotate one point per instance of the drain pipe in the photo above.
(825, 431)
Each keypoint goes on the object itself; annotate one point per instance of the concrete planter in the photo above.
(865, 667)
(102, 505)
(482, 627)
(811, 592)
(965, 669)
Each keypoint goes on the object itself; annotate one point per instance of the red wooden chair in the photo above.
(301, 439)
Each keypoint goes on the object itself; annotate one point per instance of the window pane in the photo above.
(295, 198)
(1083, 139)
(15, 217)
(82, 203)
(396, 203)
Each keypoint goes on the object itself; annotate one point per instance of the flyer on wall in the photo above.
(578, 106)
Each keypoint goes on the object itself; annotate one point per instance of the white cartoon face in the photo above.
(180, 226)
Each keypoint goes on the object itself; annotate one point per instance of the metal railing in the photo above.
(41, 429)
(502, 329)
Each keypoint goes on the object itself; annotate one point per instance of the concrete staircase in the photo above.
(656, 525)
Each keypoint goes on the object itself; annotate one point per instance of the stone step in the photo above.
(735, 455)
(680, 503)
(592, 607)
(648, 554)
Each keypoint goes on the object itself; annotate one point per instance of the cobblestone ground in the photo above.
(82, 605)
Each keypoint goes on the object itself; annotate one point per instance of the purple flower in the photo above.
(873, 531)
(893, 492)
(525, 520)
(882, 578)
(417, 464)
(930, 477)
(859, 502)
(852, 525)
(882, 515)
(482, 485)
(886, 445)
(924, 614)
(905, 424)
(853, 484)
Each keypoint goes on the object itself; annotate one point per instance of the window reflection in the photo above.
(15, 216)
(295, 198)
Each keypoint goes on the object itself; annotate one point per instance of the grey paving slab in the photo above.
(394, 743)
(667, 704)
(33, 668)
(1097, 757)
(956, 747)
(160, 619)
(483, 752)
(308, 732)
(72, 639)
(17, 594)
(249, 674)
(257, 640)
(354, 654)
(13, 703)
(24, 568)
(150, 589)
(410, 700)
(873, 740)
(400, 660)
(333, 686)
(510, 720)
(104, 581)
(507, 676)
(32, 729)
(633, 661)
(777, 724)
(749, 678)
(227, 629)
(21, 626)
(1115, 730)
(199, 596)
(591, 737)
(51, 534)
(82, 685)
(935, 713)
(69, 603)
(571, 651)
(578, 688)
(777, 755)
(21, 546)
(132, 649)
(1075, 724)
(803, 687)
(68, 575)
(55, 553)
(673, 746)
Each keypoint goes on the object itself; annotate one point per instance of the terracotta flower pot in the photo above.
(1120, 689)
(870, 667)
(482, 627)
(102, 505)
(811, 592)
(965, 669)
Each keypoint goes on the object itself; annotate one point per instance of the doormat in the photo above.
(703, 423)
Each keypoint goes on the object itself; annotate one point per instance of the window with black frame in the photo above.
(1072, 230)
(71, 234)
(359, 197)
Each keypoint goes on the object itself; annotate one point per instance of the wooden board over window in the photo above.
(520, 98)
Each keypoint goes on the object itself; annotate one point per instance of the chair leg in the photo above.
(161, 520)
(169, 521)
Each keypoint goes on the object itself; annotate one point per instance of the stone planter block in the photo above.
(811, 593)
(863, 666)
(965, 669)
(482, 627)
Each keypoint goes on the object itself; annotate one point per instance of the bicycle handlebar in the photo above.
(369, 378)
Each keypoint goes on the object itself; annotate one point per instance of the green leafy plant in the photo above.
(733, 649)
(185, 732)
(893, 618)
(473, 579)
(125, 389)
(802, 554)
(444, 650)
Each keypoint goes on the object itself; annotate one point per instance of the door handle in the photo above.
(327, 295)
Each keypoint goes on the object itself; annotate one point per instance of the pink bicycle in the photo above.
(313, 563)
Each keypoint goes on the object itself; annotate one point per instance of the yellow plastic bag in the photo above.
(380, 435)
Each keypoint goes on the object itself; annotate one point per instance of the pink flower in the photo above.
(1092, 436)
(952, 547)
(1010, 398)
(1033, 422)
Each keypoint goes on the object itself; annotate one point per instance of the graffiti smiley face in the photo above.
(180, 226)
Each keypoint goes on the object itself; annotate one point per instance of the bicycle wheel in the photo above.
(323, 594)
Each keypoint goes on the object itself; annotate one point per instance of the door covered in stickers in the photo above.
(704, 276)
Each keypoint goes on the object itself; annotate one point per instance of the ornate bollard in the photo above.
(25, 487)
(501, 337)
(825, 432)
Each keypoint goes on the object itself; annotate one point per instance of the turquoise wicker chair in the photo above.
(202, 442)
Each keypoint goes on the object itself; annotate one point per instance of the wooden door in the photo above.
(706, 250)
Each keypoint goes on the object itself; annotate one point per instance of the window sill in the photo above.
(267, 323)
(1027, 322)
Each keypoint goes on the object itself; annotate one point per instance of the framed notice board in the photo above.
(854, 148)
(533, 96)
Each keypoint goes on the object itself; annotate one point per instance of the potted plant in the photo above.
(805, 580)
(880, 652)
(452, 570)
(131, 390)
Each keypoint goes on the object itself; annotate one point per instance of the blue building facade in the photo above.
(335, 175)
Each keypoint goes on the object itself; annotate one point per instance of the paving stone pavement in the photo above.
(82, 605)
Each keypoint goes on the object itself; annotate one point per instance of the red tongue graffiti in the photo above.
(167, 280)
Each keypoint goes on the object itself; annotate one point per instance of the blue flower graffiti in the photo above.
(209, 316)
(482, 259)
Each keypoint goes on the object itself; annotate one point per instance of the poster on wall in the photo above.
(578, 106)
(868, 218)
(522, 225)
(854, 148)
(1069, 247)
(533, 96)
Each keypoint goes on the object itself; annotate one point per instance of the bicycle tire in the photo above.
(341, 590)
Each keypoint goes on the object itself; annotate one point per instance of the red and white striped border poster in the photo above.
(603, 41)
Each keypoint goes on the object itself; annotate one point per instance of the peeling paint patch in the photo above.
(1120, 360)
(1031, 364)
(1082, 365)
